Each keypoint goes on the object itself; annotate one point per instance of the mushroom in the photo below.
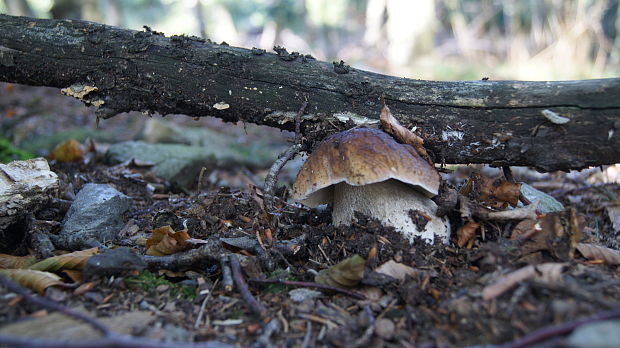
(366, 170)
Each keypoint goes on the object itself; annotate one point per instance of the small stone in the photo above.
(302, 294)
(162, 288)
(385, 328)
(604, 334)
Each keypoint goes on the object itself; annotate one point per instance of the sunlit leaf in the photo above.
(10, 261)
(68, 151)
(74, 260)
(35, 280)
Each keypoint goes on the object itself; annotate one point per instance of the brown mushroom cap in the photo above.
(361, 156)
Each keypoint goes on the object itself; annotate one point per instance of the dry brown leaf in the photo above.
(545, 273)
(598, 252)
(563, 232)
(35, 280)
(466, 233)
(345, 274)
(68, 151)
(10, 261)
(394, 128)
(164, 241)
(396, 270)
(84, 288)
(76, 275)
(496, 192)
(74, 260)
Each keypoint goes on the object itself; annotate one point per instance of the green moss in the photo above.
(149, 281)
(278, 288)
(10, 153)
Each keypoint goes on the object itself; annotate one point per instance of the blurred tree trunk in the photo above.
(200, 19)
(66, 9)
(547, 125)
(19, 8)
(112, 12)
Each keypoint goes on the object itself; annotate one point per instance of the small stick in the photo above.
(204, 305)
(51, 305)
(243, 289)
(350, 293)
(227, 279)
(369, 330)
(508, 174)
(557, 330)
(307, 336)
(268, 330)
(272, 175)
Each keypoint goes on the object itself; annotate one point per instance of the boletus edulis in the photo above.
(366, 170)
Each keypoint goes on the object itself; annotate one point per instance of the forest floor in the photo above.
(503, 282)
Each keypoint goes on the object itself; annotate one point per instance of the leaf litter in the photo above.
(509, 271)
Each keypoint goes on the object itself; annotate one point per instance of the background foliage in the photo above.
(428, 39)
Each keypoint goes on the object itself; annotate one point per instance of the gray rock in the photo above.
(25, 187)
(547, 204)
(179, 164)
(113, 262)
(95, 216)
(302, 294)
(603, 334)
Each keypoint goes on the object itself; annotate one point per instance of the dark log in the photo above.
(496, 122)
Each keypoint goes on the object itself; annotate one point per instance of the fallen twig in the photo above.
(209, 252)
(549, 272)
(227, 279)
(51, 305)
(109, 339)
(307, 336)
(243, 289)
(272, 175)
(365, 338)
(557, 330)
(526, 212)
(350, 293)
(203, 306)
(264, 340)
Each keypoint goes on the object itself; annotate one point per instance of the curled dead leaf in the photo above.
(497, 192)
(396, 270)
(345, 274)
(35, 280)
(391, 126)
(165, 241)
(466, 233)
(68, 151)
(598, 252)
(74, 260)
(10, 261)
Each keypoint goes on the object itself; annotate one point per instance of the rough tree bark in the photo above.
(496, 122)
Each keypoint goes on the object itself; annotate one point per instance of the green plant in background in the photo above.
(149, 281)
(280, 274)
(9, 153)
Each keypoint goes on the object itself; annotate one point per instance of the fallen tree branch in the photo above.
(496, 122)
(546, 333)
(243, 289)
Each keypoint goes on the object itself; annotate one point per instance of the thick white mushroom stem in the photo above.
(394, 204)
